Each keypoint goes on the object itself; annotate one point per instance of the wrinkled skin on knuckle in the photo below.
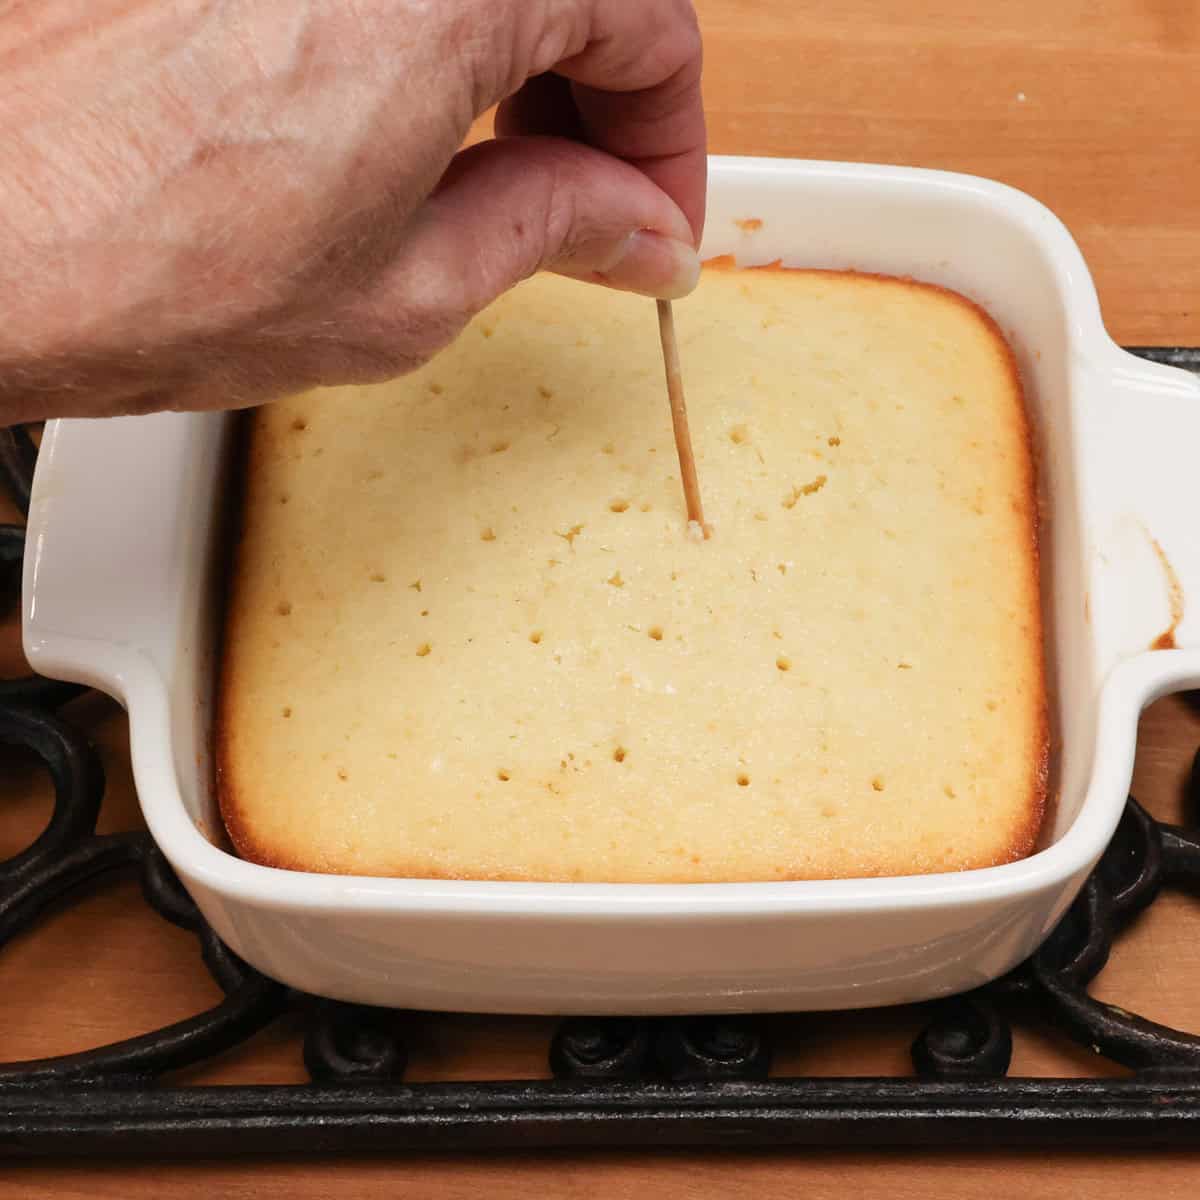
(371, 356)
(545, 34)
(504, 42)
(485, 40)
(381, 337)
(560, 211)
(670, 41)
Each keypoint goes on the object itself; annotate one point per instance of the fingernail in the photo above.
(645, 262)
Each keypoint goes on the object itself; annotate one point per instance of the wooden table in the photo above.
(1090, 105)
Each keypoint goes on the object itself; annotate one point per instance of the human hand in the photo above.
(208, 205)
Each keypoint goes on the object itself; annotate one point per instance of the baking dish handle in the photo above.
(120, 528)
(1140, 454)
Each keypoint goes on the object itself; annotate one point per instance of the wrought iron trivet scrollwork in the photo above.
(679, 1081)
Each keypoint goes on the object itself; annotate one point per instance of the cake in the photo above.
(468, 635)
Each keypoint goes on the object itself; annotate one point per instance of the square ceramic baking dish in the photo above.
(122, 587)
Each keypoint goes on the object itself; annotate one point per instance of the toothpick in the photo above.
(683, 438)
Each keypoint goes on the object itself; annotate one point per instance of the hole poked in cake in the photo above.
(739, 435)
(804, 489)
(487, 534)
(655, 633)
(618, 506)
(536, 637)
(284, 608)
(423, 650)
(620, 754)
(783, 663)
(743, 779)
(503, 774)
(300, 424)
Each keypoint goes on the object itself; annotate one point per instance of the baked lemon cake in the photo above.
(469, 637)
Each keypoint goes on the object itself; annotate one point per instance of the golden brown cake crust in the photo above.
(257, 776)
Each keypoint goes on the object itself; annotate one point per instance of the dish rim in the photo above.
(1133, 683)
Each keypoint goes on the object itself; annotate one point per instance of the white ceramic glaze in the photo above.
(119, 593)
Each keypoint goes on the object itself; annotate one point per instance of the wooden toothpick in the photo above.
(683, 438)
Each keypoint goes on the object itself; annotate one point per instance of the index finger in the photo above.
(635, 81)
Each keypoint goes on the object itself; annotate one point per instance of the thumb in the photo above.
(510, 207)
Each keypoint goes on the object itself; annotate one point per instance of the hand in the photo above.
(206, 205)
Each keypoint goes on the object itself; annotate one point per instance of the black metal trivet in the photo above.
(689, 1081)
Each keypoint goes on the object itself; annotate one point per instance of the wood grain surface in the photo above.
(1090, 105)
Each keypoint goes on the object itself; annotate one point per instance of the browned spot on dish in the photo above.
(749, 224)
(1166, 639)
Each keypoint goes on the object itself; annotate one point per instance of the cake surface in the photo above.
(469, 637)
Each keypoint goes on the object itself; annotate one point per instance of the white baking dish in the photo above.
(121, 591)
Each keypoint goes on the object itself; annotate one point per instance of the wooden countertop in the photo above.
(1091, 106)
